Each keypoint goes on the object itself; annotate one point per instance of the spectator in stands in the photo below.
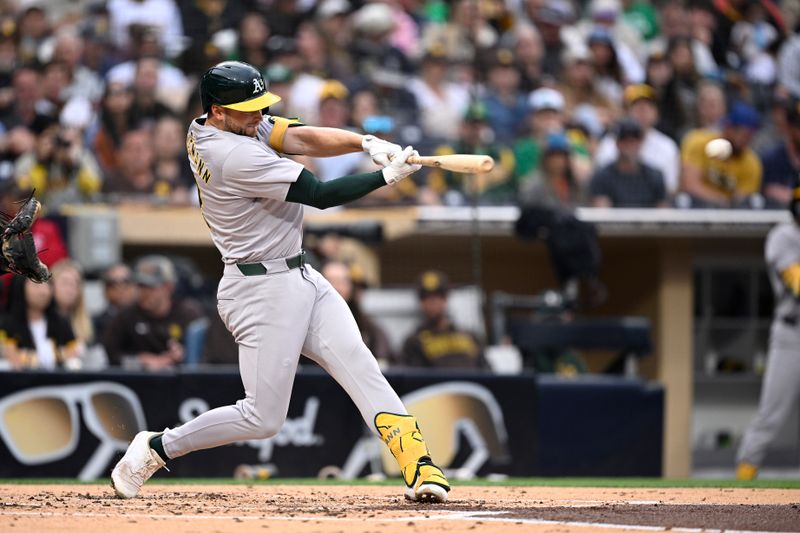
(465, 34)
(529, 54)
(547, 117)
(120, 292)
(442, 103)
(333, 113)
(162, 16)
(679, 54)
(68, 295)
(505, 104)
(171, 163)
(20, 108)
(580, 92)
(782, 161)
(280, 78)
(61, 169)
(146, 46)
(372, 48)
(752, 38)
(553, 184)
(661, 77)
(284, 16)
(82, 82)
(727, 182)
(550, 17)
(788, 66)
(711, 107)
(150, 334)
(608, 73)
(146, 107)
(608, 16)
(437, 342)
(8, 64)
(55, 80)
(340, 277)
(205, 21)
(658, 150)
(628, 182)
(253, 36)
(35, 335)
(642, 16)
(135, 176)
(332, 21)
(701, 24)
(33, 30)
(114, 120)
(496, 186)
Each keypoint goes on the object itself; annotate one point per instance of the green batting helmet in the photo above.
(235, 85)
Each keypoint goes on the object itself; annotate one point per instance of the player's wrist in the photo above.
(366, 141)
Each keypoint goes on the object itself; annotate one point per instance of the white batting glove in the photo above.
(398, 168)
(379, 150)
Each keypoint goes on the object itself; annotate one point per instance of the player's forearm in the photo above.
(322, 142)
(308, 190)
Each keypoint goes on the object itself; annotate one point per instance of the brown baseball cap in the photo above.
(432, 282)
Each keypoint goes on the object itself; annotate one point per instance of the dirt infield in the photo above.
(352, 509)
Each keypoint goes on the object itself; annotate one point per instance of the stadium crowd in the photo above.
(608, 103)
(598, 102)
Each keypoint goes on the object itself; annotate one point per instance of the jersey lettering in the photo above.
(202, 171)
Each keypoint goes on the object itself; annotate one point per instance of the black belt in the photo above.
(258, 269)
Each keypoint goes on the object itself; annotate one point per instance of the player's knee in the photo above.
(261, 423)
(265, 429)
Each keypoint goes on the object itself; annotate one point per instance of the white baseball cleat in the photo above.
(427, 493)
(138, 464)
(429, 485)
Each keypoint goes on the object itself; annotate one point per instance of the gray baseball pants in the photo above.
(780, 392)
(274, 318)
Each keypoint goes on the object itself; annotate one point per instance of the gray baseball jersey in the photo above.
(782, 251)
(242, 184)
(276, 316)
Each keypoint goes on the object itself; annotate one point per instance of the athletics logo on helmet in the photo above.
(235, 85)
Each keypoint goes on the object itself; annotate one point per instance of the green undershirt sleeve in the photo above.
(308, 190)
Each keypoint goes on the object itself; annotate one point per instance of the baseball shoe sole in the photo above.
(427, 493)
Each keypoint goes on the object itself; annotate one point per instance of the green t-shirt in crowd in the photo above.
(642, 16)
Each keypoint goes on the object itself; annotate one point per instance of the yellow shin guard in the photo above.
(401, 434)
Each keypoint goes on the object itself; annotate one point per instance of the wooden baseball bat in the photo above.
(465, 163)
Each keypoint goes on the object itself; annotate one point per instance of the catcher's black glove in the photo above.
(18, 251)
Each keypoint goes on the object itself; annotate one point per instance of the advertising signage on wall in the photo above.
(78, 425)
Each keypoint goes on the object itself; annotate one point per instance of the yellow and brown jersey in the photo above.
(448, 347)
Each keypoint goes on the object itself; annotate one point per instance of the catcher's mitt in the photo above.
(18, 251)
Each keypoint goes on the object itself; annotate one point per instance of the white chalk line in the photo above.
(472, 516)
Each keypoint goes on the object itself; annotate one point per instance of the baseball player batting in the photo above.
(275, 305)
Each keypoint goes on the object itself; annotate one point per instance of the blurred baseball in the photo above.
(719, 149)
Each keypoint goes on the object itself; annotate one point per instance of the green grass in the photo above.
(511, 482)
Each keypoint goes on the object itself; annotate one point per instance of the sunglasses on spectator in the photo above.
(113, 282)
